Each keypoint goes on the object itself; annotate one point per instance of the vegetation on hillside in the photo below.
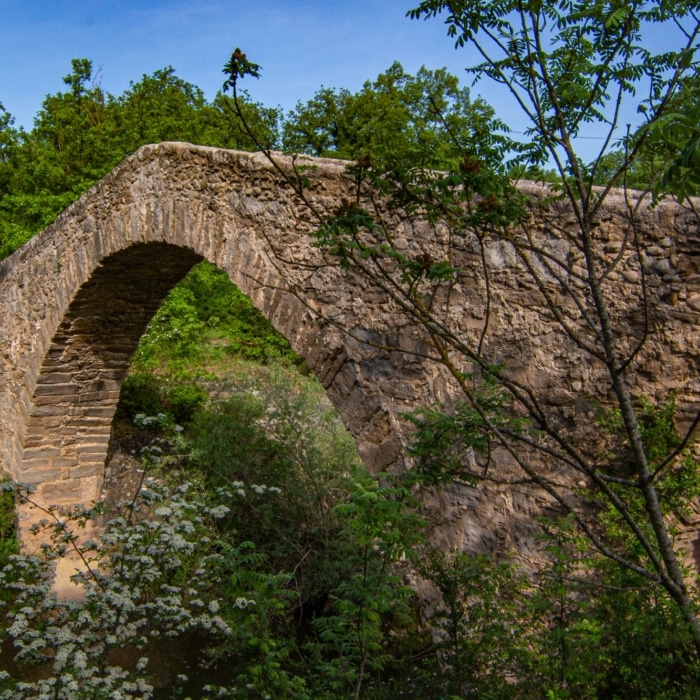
(259, 541)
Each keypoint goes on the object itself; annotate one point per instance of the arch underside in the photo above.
(68, 428)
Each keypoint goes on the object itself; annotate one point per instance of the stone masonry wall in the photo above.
(76, 299)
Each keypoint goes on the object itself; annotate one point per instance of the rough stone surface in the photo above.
(76, 299)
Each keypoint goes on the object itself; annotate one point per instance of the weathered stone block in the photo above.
(95, 447)
(57, 389)
(44, 452)
(36, 471)
(61, 491)
(55, 378)
(64, 462)
(84, 469)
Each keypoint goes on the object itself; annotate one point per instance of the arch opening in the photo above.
(68, 430)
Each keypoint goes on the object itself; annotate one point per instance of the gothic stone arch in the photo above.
(75, 300)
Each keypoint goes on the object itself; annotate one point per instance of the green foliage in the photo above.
(160, 107)
(206, 317)
(8, 538)
(203, 323)
(352, 640)
(307, 576)
(601, 631)
(141, 392)
(328, 535)
(176, 326)
(397, 118)
(444, 443)
(568, 65)
(477, 623)
(675, 470)
(184, 401)
(667, 159)
(580, 627)
(282, 433)
(151, 394)
(577, 630)
(61, 157)
(571, 64)
(81, 134)
(586, 627)
(674, 142)
(643, 642)
(238, 67)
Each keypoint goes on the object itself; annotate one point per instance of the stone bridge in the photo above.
(75, 300)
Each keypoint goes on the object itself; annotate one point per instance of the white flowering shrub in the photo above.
(273, 566)
(155, 573)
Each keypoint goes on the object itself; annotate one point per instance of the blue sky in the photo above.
(301, 45)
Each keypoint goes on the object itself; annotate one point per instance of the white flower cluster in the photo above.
(243, 603)
(149, 576)
(261, 489)
(144, 421)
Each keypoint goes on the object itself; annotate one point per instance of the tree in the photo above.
(396, 116)
(678, 133)
(51, 166)
(667, 158)
(81, 133)
(9, 137)
(567, 64)
(159, 107)
(163, 107)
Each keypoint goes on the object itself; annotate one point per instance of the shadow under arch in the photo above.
(77, 390)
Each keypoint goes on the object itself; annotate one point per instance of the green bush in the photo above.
(183, 401)
(329, 532)
(151, 394)
(8, 535)
(283, 434)
(141, 392)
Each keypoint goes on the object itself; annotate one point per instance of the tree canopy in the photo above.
(81, 133)
(395, 118)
